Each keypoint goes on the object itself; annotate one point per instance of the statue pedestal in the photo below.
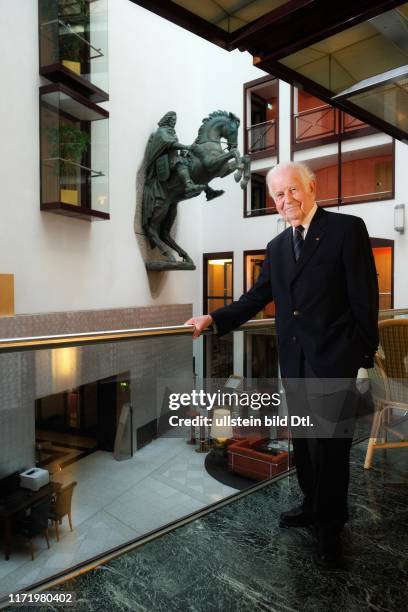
(163, 265)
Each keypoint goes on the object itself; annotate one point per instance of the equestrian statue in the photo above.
(176, 172)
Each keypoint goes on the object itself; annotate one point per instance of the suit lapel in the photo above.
(313, 240)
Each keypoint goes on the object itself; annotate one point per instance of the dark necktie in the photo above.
(298, 240)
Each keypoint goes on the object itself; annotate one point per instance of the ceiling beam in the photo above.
(281, 34)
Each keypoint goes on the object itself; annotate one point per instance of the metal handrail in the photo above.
(309, 111)
(253, 125)
(72, 31)
(84, 338)
(94, 173)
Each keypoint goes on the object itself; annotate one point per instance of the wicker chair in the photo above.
(391, 364)
(62, 507)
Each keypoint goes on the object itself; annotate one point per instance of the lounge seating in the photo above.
(391, 365)
(245, 459)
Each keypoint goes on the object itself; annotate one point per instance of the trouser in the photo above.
(322, 453)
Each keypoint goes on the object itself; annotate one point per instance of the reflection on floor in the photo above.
(57, 450)
(113, 503)
(238, 559)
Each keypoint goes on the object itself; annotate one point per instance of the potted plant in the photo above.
(69, 143)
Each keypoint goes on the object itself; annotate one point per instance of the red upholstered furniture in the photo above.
(244, 459)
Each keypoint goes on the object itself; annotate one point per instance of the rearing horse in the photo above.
(206, 160)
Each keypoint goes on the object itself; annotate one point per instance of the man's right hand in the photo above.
(200, 323)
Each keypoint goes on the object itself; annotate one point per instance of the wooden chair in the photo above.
(36, 523)
(62, 506)
(391, 365)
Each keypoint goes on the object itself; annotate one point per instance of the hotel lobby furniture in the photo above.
(61, 506)
(251, 457)
(15, 505)
(36, 523)
(391, 365)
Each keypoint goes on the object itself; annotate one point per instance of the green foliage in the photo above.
(70, 143)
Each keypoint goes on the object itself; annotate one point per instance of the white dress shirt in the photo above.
(307, 220)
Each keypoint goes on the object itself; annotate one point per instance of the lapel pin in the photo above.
(317, 238)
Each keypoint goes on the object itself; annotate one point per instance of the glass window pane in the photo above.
(365, 50)
(253, 266)
(261, 201)
(389, 102)
(219, 277)
(214, 303)
(367, 175)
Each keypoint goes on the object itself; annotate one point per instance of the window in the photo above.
(218, 291)
(315, 121)
(261, 116)
(354, 176)
(257, 198)
(253, 261)
(383, 251)
(74, 154)
(73, 45)
(261, 358)
(367, 175)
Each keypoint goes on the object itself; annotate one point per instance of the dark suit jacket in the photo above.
(326, 302)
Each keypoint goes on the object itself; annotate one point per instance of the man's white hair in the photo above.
(305, 172)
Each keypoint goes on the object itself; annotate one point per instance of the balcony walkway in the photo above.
(238, 559)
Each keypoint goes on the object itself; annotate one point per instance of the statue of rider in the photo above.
(162, 156)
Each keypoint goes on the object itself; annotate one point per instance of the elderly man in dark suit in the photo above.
(321, 275)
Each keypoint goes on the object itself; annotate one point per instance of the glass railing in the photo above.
(262, 136)
(315, 124)
(74, 37)
(323, 122)
(108, 437)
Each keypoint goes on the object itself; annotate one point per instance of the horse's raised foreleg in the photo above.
(246, 160)
(242, 169)
(213, 166)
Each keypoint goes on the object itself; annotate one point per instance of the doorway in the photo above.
(383, 251)
(74, 423)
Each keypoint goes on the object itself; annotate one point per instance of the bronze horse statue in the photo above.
(171, 177)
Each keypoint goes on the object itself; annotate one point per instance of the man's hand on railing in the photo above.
(200, 323)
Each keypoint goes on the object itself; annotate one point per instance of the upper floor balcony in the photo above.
(261, 117)
(315, 123)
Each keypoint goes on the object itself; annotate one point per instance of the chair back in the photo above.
(393, 353)
(38, 520)
(63, 499)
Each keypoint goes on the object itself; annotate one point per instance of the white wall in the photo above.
(68, 264)
(62, 263)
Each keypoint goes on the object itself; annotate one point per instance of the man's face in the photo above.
(293, 196)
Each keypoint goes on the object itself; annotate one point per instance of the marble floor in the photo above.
(115, 502)
(237, 558)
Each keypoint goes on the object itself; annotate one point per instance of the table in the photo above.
(17, 502)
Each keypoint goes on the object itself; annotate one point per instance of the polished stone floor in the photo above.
(237, 559)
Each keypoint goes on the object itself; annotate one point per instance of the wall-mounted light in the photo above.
(280, 225)
(399, 218)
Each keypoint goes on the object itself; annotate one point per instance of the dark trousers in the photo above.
(322, 454)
